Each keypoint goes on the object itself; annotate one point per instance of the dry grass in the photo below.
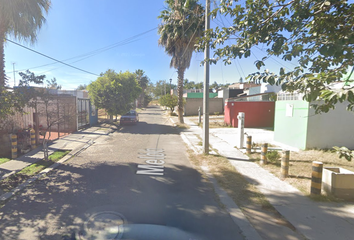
(254, 205)
(242, 192)
(300, 168)
(213, 122)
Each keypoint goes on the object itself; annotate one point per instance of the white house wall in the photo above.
(266, 88)
(335, 128)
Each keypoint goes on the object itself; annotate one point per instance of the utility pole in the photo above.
(170, 86)
(206, 85)
(13, 68)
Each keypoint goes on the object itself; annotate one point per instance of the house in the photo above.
(194, 101)
(62, 111)
(86, 112)
(297, 125)
(226, 93)
(259, 110)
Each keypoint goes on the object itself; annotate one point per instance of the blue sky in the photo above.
(79, 27)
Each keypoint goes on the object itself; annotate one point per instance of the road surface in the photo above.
(136, 183)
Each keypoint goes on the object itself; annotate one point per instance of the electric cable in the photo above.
(97, 51)
(51, 58)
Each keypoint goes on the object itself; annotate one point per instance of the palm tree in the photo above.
(143, 81)
(182, 24)
(21, 19)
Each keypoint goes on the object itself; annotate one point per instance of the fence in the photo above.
(83, 111)
(57, 112)
(289, 96)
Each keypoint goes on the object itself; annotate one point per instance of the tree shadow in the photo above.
(61, 203)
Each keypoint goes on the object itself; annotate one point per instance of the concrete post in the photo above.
(36, 129)
(264, 153)
(199, 116)
(249, 144)
(316, 179)
(33, 139)
(206, 85)
(241, 128)
(13, 146)
(284, 172)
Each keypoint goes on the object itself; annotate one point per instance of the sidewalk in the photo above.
(74, 143)
(314, 220)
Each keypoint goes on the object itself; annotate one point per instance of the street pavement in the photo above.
(106, 186)
(135, 183)
(314, 220)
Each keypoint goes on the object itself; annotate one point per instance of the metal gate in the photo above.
(83, 112)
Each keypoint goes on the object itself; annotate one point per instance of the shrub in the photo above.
(273, 156)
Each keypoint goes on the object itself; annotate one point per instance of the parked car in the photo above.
(131, 117)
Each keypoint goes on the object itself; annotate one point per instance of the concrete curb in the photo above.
(247, 230)
(47, 170)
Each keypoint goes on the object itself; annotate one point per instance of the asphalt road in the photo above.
(136, 183)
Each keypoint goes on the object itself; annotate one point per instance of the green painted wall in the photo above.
(291, 130)
(200, 95)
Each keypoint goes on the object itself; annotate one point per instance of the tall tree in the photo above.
(182, 24)
(169, 101)
(21, 19)
(53, 84)
(143, 82)
(115, 92)
(82, 87)
(317, 34)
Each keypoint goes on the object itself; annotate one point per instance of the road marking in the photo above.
(150, 170)
(154, 162)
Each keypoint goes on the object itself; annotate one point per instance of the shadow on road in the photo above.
(61, 203)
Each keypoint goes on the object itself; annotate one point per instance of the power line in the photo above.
(85, 57)
(98, 51)
(51, 58)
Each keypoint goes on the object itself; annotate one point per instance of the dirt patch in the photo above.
(300, 168)
(215, 122)
(254, 205)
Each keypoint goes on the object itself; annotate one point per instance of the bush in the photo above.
(273, 156)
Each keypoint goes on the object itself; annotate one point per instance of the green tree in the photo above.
(21, 19)
(215, 86)
(11, 102)
(169, 101)
(317, 34)
(147, 99)
(158, 89)
(143, 82)
(182, 24)
(114, 92)
(82, 87)
(53, 84)
(192, 85)
(43, 103)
